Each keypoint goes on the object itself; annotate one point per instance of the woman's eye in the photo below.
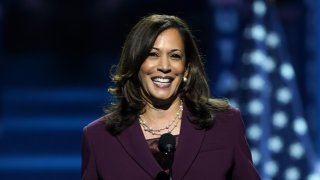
(153, 54)
(176, 56)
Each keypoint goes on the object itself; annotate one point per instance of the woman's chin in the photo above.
(162, 102)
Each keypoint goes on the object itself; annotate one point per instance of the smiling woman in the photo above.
(162, 91)
(161, 73)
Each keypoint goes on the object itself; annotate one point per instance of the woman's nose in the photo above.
(164, 64)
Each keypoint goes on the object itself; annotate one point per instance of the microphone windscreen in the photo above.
(167, 143)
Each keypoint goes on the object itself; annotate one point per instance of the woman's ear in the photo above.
(186, 71)
(185, 75)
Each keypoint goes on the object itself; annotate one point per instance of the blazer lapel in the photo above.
(190, 140)
(133, 141)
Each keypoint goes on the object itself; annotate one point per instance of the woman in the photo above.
(160, 86)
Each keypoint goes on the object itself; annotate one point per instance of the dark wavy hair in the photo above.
(129, 104)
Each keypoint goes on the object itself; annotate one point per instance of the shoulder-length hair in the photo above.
(126, 88)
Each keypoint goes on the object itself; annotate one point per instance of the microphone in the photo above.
(167, 145)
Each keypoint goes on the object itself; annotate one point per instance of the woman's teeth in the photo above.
(162, 80)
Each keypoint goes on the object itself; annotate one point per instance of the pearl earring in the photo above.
(184, 79)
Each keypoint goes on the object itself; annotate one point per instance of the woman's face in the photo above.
(162, 72)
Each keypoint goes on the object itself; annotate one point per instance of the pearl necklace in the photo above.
(170, 127)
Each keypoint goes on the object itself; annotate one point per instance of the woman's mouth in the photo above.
(162, 82)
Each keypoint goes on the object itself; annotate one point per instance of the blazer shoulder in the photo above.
(227, 113)
(96, 127)
(230, 117)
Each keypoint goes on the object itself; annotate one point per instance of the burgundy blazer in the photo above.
(218, 153)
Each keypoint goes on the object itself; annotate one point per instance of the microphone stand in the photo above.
(171, 154)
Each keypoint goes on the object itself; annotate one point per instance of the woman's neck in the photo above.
(159, 115)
